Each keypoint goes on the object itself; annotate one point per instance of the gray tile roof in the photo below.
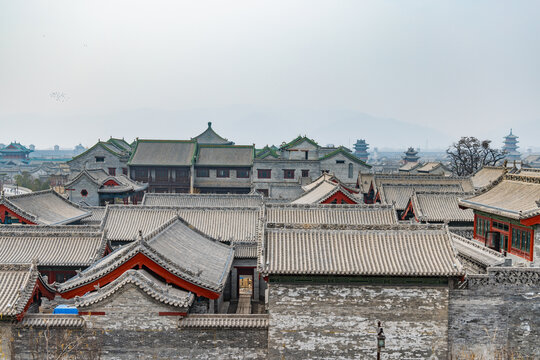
(399, 194)
(322, 192)
(51, 246)
(175, 246)
(153, 287)
(98, 212)
(434, 206)
(45, 208)
(395, 250)
(245, 250)
(477, 252)
(52, 320)
(17, 283)
(418, 179)
(225, 155)
(99, 177)
(123, 223)
(331, 214)
(203, 200)
(224, 321)
(163, 153)
(410, 166)
(515, 197)
(487, 176)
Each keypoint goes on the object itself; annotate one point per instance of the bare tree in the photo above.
(470, 154)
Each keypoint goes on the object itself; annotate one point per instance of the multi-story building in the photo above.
(111, 155)
(281, 173)
(510, 147)
(507, 216)
(15, 151)
(166, 165)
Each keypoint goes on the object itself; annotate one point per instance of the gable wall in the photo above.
(84, 184)
(313, 152)
(88, 161)
(131, 309)
(341, 171)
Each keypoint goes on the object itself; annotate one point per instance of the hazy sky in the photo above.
(396, 73)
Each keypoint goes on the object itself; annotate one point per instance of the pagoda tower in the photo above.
(510, 147)
(360, 150)
(411, 155)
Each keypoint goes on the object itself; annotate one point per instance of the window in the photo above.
(521, 239)
(306, 155)
(350, 170)
(84, 193)
(125, 171)
(305, 173)
(222, 173)
(203, 172)
(340, 161)
(181, 173)
(242, 173)
(482, 227)
(288, 174)
(112, 171)
(264, 173)
(162, 175)
(100, 158)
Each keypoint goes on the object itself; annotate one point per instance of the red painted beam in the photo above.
(172, 313)
(137, 262)
(531, 221)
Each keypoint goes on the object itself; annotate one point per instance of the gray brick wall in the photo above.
(84, 183)
(147, 344)
(130, 309)
(88, 161)
(338, 321)
(5, 340)
(499, 315)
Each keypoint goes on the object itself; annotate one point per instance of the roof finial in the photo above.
(510, 131)
(3, 194)
(140, 237)
(209, 124)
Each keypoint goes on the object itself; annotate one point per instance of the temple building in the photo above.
(97, 187)
(507, 216)
(181, 261)
(510, 147)
(411, 155)
(360, 150)
(225, 169)
(317, 282)
(439, 207)
(21, 286)
(15, 151)
(281, 173)
(166, 165)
